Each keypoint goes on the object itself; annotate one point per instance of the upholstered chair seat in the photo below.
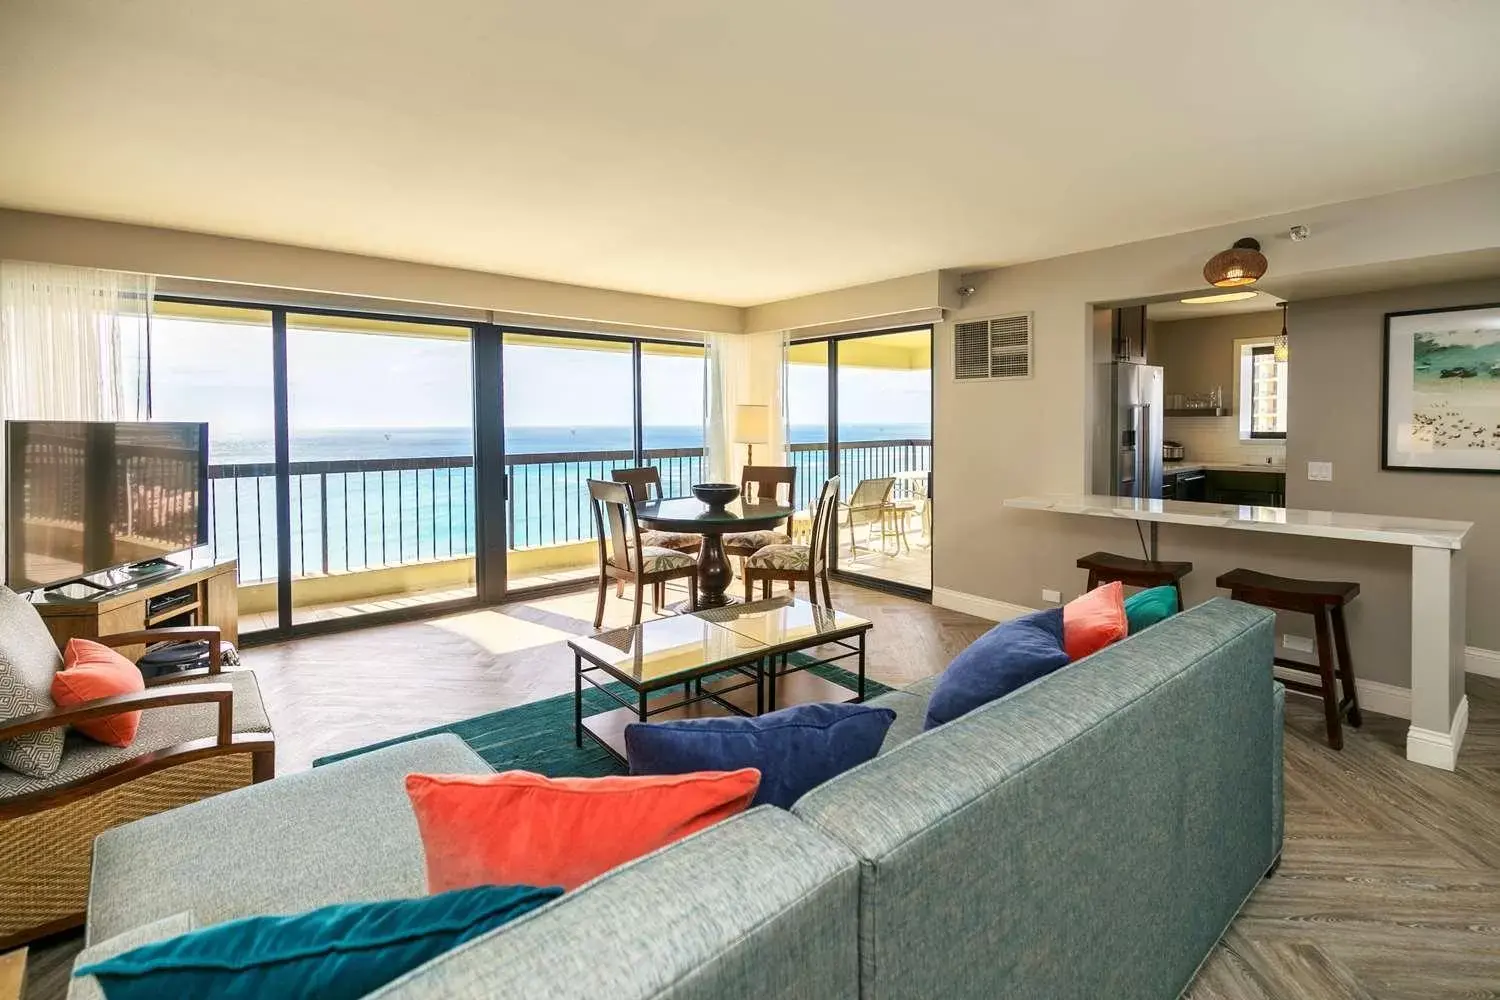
(786, 557)
(679, 541)
(654, 560)
(745, 543)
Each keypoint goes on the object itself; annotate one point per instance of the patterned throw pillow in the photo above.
(28, 661)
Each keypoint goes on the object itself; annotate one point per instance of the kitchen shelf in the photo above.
(1201, 411)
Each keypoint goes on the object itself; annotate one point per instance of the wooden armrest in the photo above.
(188, 694)
(176, 633)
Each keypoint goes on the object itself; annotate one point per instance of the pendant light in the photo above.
(1283, 349)
(1241, 264)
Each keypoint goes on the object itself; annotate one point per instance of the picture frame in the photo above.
(1440, 390)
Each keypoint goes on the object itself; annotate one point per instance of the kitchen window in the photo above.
(1263, 393)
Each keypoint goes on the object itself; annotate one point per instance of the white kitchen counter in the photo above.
(1414, 531)
(1172, 468)
(1439, 707)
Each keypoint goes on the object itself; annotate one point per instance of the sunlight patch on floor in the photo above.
(498, 632)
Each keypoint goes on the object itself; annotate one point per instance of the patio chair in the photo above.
(624, 556)
(202, 732)
(792, 563)
(868, 504)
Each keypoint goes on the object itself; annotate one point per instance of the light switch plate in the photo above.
(1051, 596)
(1320, 472)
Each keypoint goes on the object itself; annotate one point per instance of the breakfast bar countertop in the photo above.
(1417, 532)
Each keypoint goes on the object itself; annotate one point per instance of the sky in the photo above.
(221, 373)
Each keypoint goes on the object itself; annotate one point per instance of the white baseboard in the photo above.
(1424, 746)
(980, 607)
(1374, 696)
(1484, 662)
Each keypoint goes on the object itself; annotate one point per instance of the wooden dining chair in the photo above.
(768, 481)
(798, 562)
(646, 484)
(624, 557)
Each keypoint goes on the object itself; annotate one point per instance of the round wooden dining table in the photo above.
(693, 516)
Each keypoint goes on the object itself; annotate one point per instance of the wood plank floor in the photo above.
(1389, 885)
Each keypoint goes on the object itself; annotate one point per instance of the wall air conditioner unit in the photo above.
(988, 349)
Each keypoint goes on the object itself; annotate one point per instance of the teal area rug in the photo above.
(538, 736)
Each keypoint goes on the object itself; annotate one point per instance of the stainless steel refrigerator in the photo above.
(1135, 411)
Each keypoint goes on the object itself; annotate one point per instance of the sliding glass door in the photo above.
(381, 473)
(861, 407)
(215, 364)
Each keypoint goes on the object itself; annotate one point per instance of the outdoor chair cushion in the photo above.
(28, 661)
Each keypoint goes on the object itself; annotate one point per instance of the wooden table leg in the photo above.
(714, 572)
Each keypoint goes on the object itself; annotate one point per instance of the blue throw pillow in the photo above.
(1008, 656)
(338, 952)
(1147, 607)
(795, 749)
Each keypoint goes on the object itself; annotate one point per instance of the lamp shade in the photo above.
(1241, 264)
(752, 424)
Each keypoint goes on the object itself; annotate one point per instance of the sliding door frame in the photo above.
(834, 467)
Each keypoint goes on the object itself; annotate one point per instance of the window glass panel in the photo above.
(672, 404)
(1268, 397)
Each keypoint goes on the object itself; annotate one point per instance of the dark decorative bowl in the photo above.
(716, 495)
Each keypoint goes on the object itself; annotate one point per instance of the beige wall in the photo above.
(1335, 415)
(59, 239)
(1001, 439)
(912, 299)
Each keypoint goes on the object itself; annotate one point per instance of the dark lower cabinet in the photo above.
(1248, 489)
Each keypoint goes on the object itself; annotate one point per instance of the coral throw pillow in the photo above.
(90, 672)
(1094, 620)
(520, 828)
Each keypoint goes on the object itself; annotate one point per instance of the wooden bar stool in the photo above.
(1324, 600)
(1106, 567)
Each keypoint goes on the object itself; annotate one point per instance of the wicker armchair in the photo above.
(202, 732)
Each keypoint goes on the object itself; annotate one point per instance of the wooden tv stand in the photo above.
(214, 601)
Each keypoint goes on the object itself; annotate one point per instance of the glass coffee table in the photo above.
(727, 660)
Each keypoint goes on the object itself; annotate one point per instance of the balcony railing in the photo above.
(358, 514)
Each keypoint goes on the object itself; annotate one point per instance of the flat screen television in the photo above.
(82, 497)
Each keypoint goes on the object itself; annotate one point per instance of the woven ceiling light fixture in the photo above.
(1241, 264)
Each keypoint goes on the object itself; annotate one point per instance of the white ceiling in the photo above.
(733, 152)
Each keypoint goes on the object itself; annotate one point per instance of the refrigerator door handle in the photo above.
(1138, 489)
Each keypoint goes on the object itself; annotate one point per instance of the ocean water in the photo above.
(349, 521)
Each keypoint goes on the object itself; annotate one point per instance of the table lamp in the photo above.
(752, 426)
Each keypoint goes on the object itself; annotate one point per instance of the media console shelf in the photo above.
(214, 600)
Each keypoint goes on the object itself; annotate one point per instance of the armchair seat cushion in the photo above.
(159, 728)
(678, 541)
(744, 543)
(784, 557)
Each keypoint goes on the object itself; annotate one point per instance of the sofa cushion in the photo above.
(87, 987)
(794, 749)
(90, 672)
(339, 952)
(911, 712)
(160, 727)
(1008, 656)
(759, 907)
(28, 660)
(1093, 620)
(520, 828)
(348, 826)
(1150, 607)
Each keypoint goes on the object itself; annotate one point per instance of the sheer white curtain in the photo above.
(72, 340)
(743, 368)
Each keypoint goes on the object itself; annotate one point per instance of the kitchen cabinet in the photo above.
(1246, 488)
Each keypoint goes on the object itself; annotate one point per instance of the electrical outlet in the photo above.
(1051, 596)
(1300, 643)
(1320, 472)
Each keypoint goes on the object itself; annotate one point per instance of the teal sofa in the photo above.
(1091, 835)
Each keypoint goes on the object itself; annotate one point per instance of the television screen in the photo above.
(87, 496)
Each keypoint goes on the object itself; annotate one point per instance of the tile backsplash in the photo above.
(1217, 439)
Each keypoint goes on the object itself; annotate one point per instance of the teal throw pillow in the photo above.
(1147, 607)
(337, 952)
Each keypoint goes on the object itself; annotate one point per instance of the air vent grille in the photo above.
(992, 348)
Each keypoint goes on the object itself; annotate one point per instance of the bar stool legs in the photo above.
(1346, 667)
